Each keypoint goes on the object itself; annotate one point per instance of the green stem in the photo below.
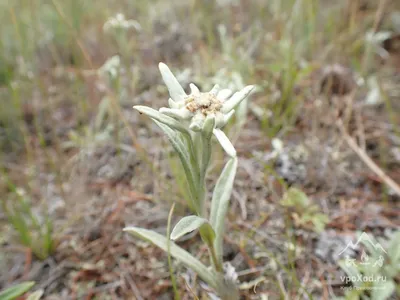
(170, 267)
(194, 170)
(217, 264)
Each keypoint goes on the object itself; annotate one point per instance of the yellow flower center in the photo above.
(206, 103)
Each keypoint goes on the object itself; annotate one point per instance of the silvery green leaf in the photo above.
(177, 252)
(172, 103)
(156, 115)
(241, 112)
(16, 290)
(179, 113)
(194, 89)
(180, 143)
(351, 271)
(197, 144)
(175, 89)
(195, 126)
(368, 246)
(220, 202)
(215, 89)
(225, 142)
(377, 37)
(227, 117)
(224, 94)
(394, 249)
(219, 119)
(236, 99)
(383, 290)
(206, 135)
(191, 223)
(197, 122)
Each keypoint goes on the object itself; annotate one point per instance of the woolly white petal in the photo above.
(208, 124)
(227, 117)
(215, 89)
(197, 122)
(195, 127)
(175, 89)
(181, 113)
(225, 142)
(180, 104)
(194, 89)
(236, 99)
(158, 116)
(224, 94)
(172, 103)
(219, 120)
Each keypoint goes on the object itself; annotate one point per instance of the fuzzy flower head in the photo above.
(195, 107)
(197, 110)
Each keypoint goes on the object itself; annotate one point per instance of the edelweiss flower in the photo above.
(193, 109)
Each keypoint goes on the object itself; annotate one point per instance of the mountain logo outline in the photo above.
(366, 237)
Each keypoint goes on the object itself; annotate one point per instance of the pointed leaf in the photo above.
(225, 142)
(175, 89)
(215, 89)
(177, 113)
(156, 115)
(383, 290)
(227, 118)
(206, 135)
(172, 103)
(220, 202)
(17, 290)
(191, 223)
(241, 112)
(394, 249)
(236, 99)
(177, 141)
(194, 89)
(177, 252)
(224, 94)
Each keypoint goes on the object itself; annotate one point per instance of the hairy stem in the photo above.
(217, 265)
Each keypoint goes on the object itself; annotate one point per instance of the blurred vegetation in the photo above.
(68, 135)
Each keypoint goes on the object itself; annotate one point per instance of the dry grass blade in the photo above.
(367, 160)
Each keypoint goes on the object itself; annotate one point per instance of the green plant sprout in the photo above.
(34, 231)
(190, 122)
(303, 211)
(15, 291)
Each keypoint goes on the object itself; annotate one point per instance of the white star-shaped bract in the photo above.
(193, 109)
